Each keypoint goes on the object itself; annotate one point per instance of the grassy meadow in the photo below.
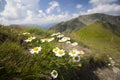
(100, 40)
(17, 63)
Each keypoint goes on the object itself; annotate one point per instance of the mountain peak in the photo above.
(84, 20)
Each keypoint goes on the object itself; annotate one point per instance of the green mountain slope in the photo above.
(100, 40)
(68, 26)
(112, 23)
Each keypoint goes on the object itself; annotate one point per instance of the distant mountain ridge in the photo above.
(89, 19)
(42, 26)
(111, 22)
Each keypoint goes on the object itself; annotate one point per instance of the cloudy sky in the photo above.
(51, 11)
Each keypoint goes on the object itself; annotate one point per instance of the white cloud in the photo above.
(16, 9)
(41, 13)
(54, 5)
(46, 19)
(103, 6)
(78, 6)
(28, 12)
(100, 2)
(113, 9)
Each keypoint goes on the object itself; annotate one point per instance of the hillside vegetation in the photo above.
(100, 40)
(17, 62)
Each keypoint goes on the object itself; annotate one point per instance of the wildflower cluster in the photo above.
(29, 39)
(64, 39)
(26, 33)
(47, 39)
(35, 50)
(55, 34)
(54, 74)
(59, 52)
(75, 54)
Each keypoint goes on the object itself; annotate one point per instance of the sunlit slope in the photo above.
(99, 39)
(23, 60)
(18, 63)
(72, 25)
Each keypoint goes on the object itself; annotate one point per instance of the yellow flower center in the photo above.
(55, 49)
(73, 52)
(35, 49)
(60, 52)
(30, 38)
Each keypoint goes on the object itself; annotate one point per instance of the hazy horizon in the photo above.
(45, 12)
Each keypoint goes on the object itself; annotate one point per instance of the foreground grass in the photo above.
(100, 40)
(16, 62)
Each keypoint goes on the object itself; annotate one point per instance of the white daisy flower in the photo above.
(68, 38)
(61, 40)
(60, 36)
(35, 50)
(74, 52)
(74, 44)
(109, 64)
(110, 58)
(43, 40)
(58, 33)
(60, 53)
(55, 34)
(47, 40)
(29, 39)
(64, 39)
(55, 50)
(68, 42)
(50, 39)
(81, 52)
(25, 33)
(33, 37)
(54, 74)
(76, 58)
